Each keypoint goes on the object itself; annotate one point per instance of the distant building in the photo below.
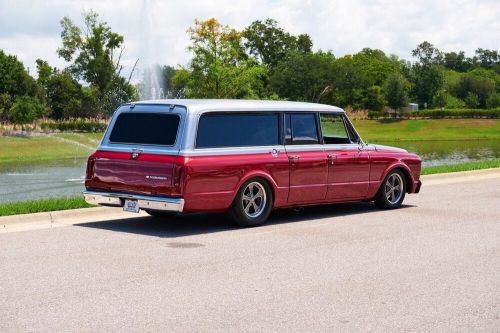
(413, 106)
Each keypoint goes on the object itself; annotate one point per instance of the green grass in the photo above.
(44, 148)
(44, 205)
(428, 129)
(476, 165)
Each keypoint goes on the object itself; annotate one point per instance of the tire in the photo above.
(253, 203)
(392, 191)
(159, 213)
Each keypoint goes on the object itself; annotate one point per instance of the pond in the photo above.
(65, 177)
(451, 152)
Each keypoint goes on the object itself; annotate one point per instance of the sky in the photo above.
(155, 30)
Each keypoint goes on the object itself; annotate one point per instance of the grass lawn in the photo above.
(44, 205)
(47, 147)
(476, 165)
(431, 129)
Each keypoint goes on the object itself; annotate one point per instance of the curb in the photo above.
(63, 217)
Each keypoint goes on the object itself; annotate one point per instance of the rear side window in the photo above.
(301, 129)
(237, 130)
(145, 128)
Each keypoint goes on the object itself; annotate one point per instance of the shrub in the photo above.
(26, 109)
(83, 125)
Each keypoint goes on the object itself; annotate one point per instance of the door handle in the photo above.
(293, 157)
(331, 158)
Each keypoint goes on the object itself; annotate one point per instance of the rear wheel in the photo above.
(253, 203)
(392, 192)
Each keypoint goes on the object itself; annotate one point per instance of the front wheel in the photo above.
(253, 203)
(392, 192)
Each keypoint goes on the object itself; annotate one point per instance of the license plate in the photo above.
(131, 206)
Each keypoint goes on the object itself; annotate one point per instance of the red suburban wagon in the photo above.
(244, 157)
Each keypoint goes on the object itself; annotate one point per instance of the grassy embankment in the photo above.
(43, 205)
(16, 150)
(428, 130)
(46, 148)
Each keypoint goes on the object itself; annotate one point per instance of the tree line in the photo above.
(262, 61)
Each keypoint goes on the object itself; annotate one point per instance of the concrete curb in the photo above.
(74, 216)
(63, 217)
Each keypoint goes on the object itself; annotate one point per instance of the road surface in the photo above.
(431, 266)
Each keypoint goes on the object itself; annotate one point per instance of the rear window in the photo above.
(145, 128)
(237, 130)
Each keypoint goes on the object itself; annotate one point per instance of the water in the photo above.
(65, 177)
(152, 85)
(451, 152)
(39, 181)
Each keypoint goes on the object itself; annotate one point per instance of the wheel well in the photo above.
(408, 181)
(263, 179)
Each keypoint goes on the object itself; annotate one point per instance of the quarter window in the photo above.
(237, 130)
(333, 129)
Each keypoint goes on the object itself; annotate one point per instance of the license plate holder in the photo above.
(131, 206)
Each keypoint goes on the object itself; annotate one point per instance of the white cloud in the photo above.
(31, 29)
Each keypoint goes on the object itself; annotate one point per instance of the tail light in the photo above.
(178, 175)
(90, 167)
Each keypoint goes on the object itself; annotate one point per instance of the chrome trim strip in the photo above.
(143, 201)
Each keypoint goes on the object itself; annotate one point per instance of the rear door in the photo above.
(139, 152)
(307, 160)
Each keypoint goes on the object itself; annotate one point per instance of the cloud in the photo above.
(31, 29)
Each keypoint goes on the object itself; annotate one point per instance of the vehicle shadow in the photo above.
(205, 223)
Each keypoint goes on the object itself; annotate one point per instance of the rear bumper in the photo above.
(143, 201)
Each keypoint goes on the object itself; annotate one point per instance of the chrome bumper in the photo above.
(143, 201)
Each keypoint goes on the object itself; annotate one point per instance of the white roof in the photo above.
(196, 105)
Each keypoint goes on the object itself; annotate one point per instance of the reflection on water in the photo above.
(65, 177)
(42, 180)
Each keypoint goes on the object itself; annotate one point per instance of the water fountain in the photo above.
(151, 86)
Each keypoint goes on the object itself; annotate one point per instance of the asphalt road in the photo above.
(433, 265)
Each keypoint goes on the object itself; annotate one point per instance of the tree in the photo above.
(427, 54)
(457, 61)
(220, 68)
(304, 76)
(14, 82)
(95, 54)
(348, 83)
(269, 43)
(26, 109)
(374, 98)
(487, 58)
(64, 94)
(475, 85)
(427, 80)
(374, 65)
(396, 91)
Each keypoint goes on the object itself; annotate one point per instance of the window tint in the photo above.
(333, 129)
(237, 130)
(303, 128)
(145, 128)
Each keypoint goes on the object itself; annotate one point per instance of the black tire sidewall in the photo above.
(381, 199)
(237, 212)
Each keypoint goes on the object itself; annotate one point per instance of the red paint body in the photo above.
(210, 183)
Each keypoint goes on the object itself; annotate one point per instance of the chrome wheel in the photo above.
(254, 199)
(394, 188)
